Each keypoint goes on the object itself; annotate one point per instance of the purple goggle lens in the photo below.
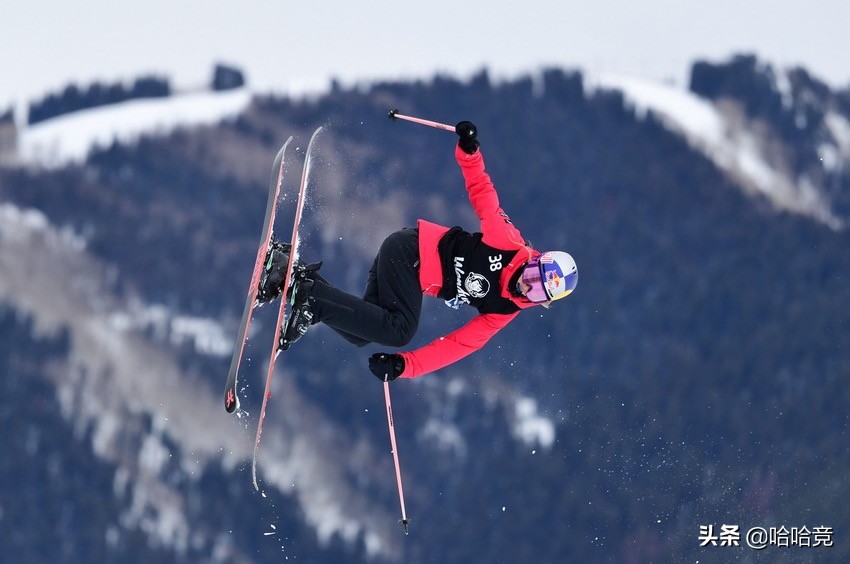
(532, 276)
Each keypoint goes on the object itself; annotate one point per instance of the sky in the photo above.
(284, 45)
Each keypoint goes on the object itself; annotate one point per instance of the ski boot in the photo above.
(274, 271)
(300, 315)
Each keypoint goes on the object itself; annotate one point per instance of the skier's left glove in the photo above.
(468, 134)
(386, 366)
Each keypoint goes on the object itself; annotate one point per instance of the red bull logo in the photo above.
(553, 281)
(559, 274)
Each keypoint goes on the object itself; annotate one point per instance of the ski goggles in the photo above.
(546, 281)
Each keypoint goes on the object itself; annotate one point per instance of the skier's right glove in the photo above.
(468, 134)
(386, 366)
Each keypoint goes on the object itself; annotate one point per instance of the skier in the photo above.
(494, 271)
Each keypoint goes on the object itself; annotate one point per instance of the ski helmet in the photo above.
(550, 276)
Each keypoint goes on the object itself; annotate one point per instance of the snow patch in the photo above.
(530, 427)
(834, 156)
(153, 455)
(33, 221)
(440, 428)
(206, 335)
(722, 138)
(447, 436)
(783, 86)
(688, 113)
(69, 138)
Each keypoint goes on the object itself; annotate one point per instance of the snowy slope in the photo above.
(69, 138)
(721, 135)
(115, 377)
(718, 132)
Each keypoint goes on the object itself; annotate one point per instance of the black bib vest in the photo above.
(472, 271)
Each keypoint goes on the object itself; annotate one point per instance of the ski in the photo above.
(281, 317)
(231, 396)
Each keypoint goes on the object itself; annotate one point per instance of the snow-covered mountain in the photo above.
(69, 138)
(119, 387)
(552, 444)
(747, 149)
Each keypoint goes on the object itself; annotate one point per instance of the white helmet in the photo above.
(550, 276)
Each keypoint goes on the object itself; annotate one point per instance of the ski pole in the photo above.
(395, 115)
(404, 520)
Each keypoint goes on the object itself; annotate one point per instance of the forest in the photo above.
(696, 376)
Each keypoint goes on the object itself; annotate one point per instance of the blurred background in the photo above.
(694, 159)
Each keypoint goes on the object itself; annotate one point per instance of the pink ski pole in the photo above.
(395, 115)
(404, 520)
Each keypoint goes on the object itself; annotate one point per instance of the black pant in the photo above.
(389, 312)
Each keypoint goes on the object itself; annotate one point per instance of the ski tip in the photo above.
(404, 523)
(231, 402)
(392, 113)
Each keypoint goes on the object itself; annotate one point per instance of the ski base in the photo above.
(231, 396)
(281, 318)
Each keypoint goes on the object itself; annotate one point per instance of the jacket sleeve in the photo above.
(454, 346)
(496, 226)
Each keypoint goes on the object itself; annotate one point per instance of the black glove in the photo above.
(386, 366)
(468, 133)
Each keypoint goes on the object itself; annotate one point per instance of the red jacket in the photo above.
(498, 232)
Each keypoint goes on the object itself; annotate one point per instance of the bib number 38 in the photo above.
(495, 262)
